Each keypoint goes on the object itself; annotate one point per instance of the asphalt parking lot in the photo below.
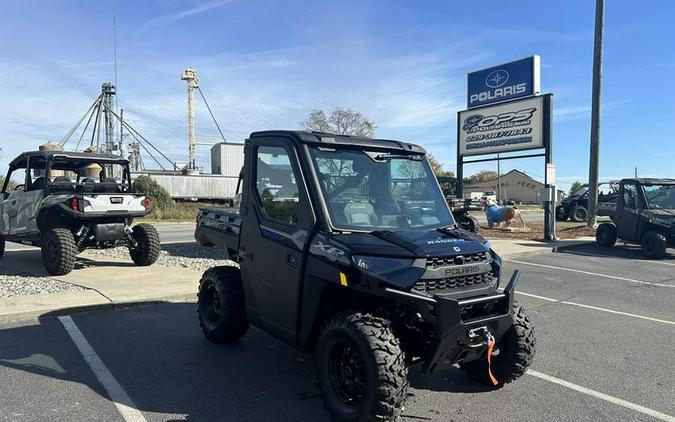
(605, 325)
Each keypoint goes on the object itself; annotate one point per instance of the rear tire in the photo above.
(58, 251)
(221, 305)
(605, 235)
(516, 352)
(147, 246)
(361, 369)
(579, 213)
(654, 245)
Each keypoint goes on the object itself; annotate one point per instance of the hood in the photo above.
(414, 243)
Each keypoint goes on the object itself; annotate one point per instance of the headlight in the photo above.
(378, 264)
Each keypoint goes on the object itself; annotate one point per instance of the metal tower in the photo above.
(190, 75)
(108, 91)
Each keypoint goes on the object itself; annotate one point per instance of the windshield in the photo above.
(660, 196)
(581, 191)
(367, 190)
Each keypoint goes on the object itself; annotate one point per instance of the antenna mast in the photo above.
(190, 75)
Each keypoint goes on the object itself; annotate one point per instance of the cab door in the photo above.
(628, 211)
(276, 222)
(11, 202)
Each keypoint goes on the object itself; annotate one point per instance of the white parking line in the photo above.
(593, 274)
(596, 308)
(119, 397)
(602, 396)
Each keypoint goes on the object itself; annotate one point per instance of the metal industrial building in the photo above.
(227, 159)
(516, 186)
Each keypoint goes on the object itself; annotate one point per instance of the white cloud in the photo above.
(174, 17)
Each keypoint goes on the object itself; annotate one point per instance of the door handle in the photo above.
(246, 255)
(292, 259)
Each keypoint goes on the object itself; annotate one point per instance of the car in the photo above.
(345, 246)
(575, 206)
(644, 214)
(66, 202)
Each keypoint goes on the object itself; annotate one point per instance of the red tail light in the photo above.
(74, 204)
(147, 203)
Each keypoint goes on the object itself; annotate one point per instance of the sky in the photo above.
(266, 64)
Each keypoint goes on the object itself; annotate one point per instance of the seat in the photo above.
(360, 214)
(38, 183)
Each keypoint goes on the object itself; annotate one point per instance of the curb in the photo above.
(35, 314)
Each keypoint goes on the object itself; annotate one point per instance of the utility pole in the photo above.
(636, 172)
(595, 112)
(190, 75)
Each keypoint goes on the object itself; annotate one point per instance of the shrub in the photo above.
(160, 197)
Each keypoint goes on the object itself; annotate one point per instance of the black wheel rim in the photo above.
(650, 244)
(210, 305)
(346, 371)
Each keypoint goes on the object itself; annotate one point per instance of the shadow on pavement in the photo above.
(193, 250)
(627, 251)
(160, 357)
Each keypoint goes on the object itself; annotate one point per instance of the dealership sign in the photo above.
(513, 126)
(505, 82)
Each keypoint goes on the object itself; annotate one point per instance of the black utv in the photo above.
(644, 214)
(575, 206)
(346, 247)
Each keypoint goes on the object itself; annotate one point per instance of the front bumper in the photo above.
(458, 319)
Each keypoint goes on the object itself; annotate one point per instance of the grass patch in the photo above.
(179, 211)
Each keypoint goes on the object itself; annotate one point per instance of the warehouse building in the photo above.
(515, 186)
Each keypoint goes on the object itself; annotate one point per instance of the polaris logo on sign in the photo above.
(504, 82)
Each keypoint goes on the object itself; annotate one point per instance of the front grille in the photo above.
(442, 261)
(442, 285)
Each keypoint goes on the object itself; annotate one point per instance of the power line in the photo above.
(211, 113)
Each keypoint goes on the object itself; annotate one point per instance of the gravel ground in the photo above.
(186, 255)
(13, 284)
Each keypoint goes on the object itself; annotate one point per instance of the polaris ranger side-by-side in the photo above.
(644, 213)
(346, 247)
(66, 202)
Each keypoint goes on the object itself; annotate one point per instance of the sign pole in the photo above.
(549, 181)
(459, 190)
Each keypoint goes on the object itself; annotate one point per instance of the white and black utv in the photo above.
(66, 202)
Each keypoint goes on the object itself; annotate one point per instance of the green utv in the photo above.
(66, 202)
(346, 247)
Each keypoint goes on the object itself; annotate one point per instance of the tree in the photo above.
(342, 121)
(575, 187)
(10, 186)
(437, 167)
(481, 176)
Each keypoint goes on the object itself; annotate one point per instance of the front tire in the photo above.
(579, 214)
(561, 213)
(58, 251)
(516, 352)
(605, 235)
(654, 245)
(221, 305)
(469, 223)
(146, 250)
(361, 369)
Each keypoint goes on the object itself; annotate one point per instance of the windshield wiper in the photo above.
(388, 156)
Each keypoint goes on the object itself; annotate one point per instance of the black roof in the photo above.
(651, 181)
(320, 138)
(50, 154)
